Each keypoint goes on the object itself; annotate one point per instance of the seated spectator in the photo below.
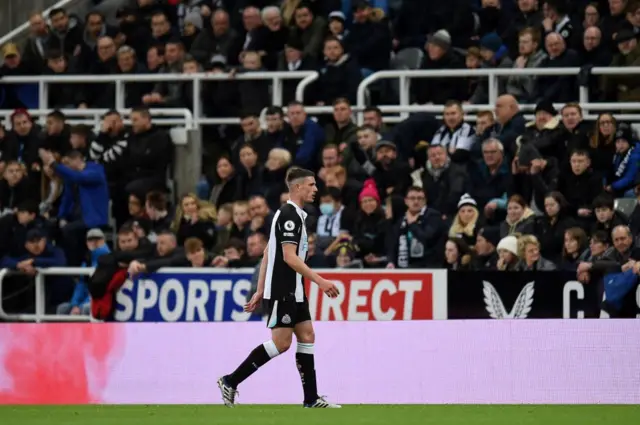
(276, 125)
(457, 255)
(52, 188)
(580, 185)
(346, 256)
(419, 236)
(369, 38)
(310, 29)
(252, 134)
(196, 254)
(466, 224)
(494, 55)
(455, 135)
(487, 240)
(557, 88)
(602, 144)
(241, 225)
(269, 39)
(127, 63)
(342, 130)
(14, 228)
(250, 173)
(40, 254)
(195, 219)
(14, 188)
(261, 216)
(508, 254)
(440, 55)
(273, 182)
(292, 59)
(490, 180)
(79, 139)
(520, 218)
(66, 32)
(392, 175)
(156, 209)
(60, 95)
(155, 59)
(510, 123)
(80, 303)
(533, 176)
(34, 53)
(256, 244)
(23, 141)
(217, 39)
(594, 53)
(223, 226)
(372, 116)
(57, 134)
(334, 221)
(337, 26)
(493, 17)
(192, 26)
(16, 96)
(557, 20)
(94, 28)
(340, 76)
(524, 87)
(607, 218)
(349, 188)
(472, 60)
(85, 200)
(530, 258)
(545, 133)
(592, 17)
(623, 176)
(576, 129)
(359, 156)
(303, 137)
(225, 186)
(485, 124)
(161, 30)
(551, 227)
(370, 227)
(331, 157)
(99, 95)
(166, 254)
(137, 210)
(169, 93)
(235, 256)
(575, 243)
(110, 145)
(254, 94)
(131, 31)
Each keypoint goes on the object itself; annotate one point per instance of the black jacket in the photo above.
(551, 235)
(519, 22)
(548, 141)
(340, 79)
(148, 154)
(204, 230)
(444, 193)
(11, 197)
(370, 233)
(22, 148)
(110, 151)
(249, 183)
(537, 186)
(155, 262)
(270, 42)
(580, 191)
(428, 231)
(397, 176)
(440, 90)
(59, 143)
(370, 44)
(558, 89)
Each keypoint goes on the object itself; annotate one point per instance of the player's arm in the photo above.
(290, 256)
(262, 274)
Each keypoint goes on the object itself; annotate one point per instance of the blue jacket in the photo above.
(312, 142)
(52, 256)
(94, 194)
(81, 291)
(628, 178)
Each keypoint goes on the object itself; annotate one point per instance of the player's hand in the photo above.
(253, 302)
(329, 288)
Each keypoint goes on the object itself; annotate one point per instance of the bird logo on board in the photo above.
(289, 225)
(286, 319)
(496, 307)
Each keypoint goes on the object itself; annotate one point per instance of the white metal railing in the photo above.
(20, 30)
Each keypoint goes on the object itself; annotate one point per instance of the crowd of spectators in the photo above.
(492, 193)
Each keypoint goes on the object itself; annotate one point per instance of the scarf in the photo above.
(408, 246)
(622, 166)
(437, 172)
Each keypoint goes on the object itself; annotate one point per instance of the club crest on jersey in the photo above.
(289, 225)
(286, 319)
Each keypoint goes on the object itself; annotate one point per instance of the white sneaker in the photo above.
(322, 403)
(228, 393)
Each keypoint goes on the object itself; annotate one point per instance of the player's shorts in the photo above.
(286, 313)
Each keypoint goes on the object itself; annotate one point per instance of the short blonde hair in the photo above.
(281, 154)
(524, 241)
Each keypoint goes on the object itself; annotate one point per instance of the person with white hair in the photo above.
(270, 38)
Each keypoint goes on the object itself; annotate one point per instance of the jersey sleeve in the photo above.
(289, 227)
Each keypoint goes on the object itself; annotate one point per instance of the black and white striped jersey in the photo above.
(288, 227)
(462, 137)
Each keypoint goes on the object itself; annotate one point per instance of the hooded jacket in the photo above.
(93, 194)
(81, 292)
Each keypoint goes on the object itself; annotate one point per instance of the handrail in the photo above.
(302, 86)
(25, 26)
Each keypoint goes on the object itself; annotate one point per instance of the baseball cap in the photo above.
(35, 235)
(95, 234)
(9, 49)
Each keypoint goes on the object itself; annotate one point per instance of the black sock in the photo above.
(256, 359)
(307, 369)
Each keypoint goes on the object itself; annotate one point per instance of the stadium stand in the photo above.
(467, 135)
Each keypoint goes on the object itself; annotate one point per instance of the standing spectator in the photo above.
(269, 39)
(443, 180)
(310, 29)
(66, 32)
(169, 93)
(494, 55)
(466, 223)
(623, 88)
(369, 38)
(557, 88)
(94, 28)
(392, 175)
(80, 303)
(293, 60)
(527, 16)
(455, 135)
(520, 218)
(622, 177)
(524, 87)
(580, 185)
(551, 227)
(224, 189)
(215, 40)
(253, 135)
(439, 55)
(57, 133)
(340, 77)
(85, 200)
(254, 94)
(303, 137)
(195, 219)
(342, 131)
(557, 20)
(510, 123)
(419, 236)
(61, 95)
(110, 146)
(602, 144)
(99, 95)
(35, 49)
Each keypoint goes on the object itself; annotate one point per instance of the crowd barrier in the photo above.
(394, 362)
(218, 295)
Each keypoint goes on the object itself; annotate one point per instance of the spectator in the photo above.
(195, 219)
(534, 176)
(527, 16)
(557, 20)
(66, 32)
(369, 38)
(623, 88)
(253, 135)
(251, 21)
(577, 131)
(557, 88)
(530, 55)
(529, 252)
(509, 123)
(35, 49)
(493, 17)
(166, 254)
(602, 144)
(591, 16)
(303, 137)
(623, 176)
(273, 175)
(485, 123)
(161, 31)
(85, 200)
(607, 218)
(155, 59)
(256, 244)
(330, 158)
(80, 303)
(261, 216)
(22, 142)
(196, 254)
(57, 133)
(110, 145)
(633, 16)
(455, 135)
(309, 29)
(192, 27)
(472, 60)
(346, 256)
(520, 218)
(269, 39)
(95, 95)
(360, 157)
(340, 77)
(392, 175)
(16, 96)
(457, 255)
(241, 220)
(490, 180)
(157, 210)
(439, 55)
(419, 235)
(235, 255)
(15, 226)
(61, 95)
(634, 218)
(545, 133)
(507, 254)
(254, 94)
(443, 181)
(349, 188)
(14, 187)
(275, 125)
(131, 31)
(292, 60)
(169, 93)
(575, 243)
(487, 240)
(127, 63)
(334, 223)
(337, 27)
(225, 186)
(218, 39)
(372, 116)
(612, 23)
(342, 131)
(250, 173)
(370, 227)
(466, 223)
(594, 51)
(580, 185)
(494, 55)
(94, 29)
(551, 227)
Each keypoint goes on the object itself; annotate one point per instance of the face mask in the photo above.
(326, 209)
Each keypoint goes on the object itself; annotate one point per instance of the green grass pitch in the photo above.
(295, 415)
